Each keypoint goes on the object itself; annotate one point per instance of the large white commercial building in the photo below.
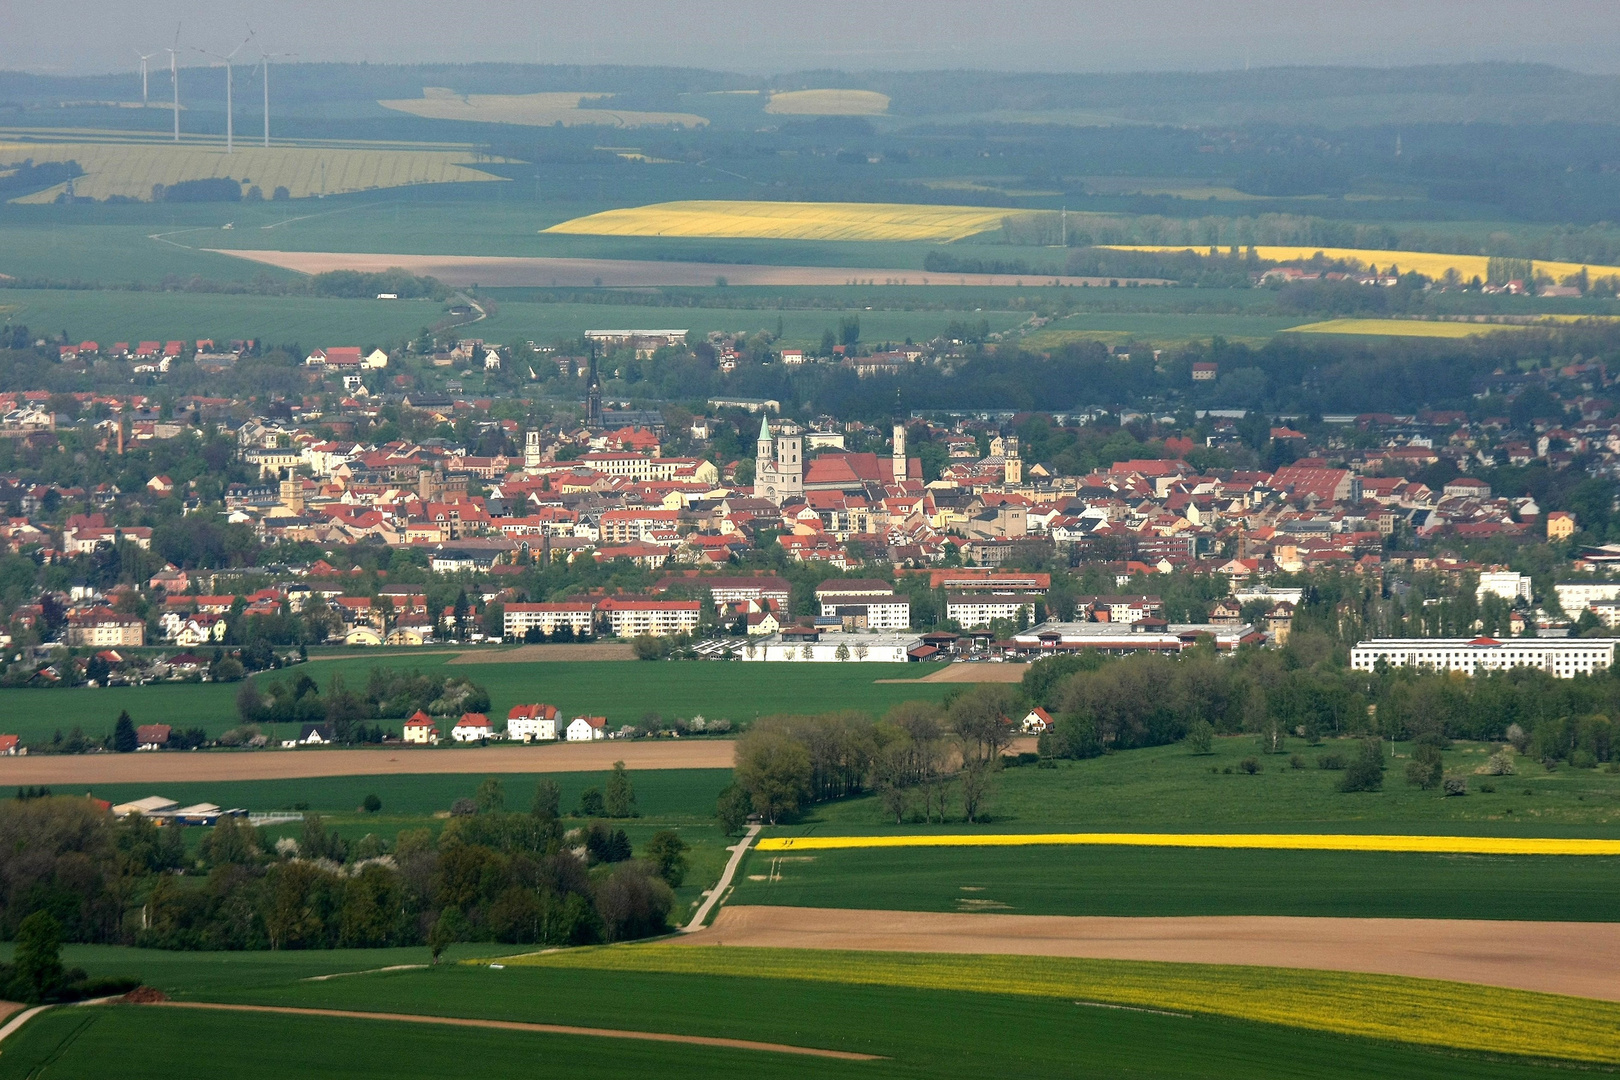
(1575, 595)
(1050, 638)
(866, 611)
(1560, 657)
(856, 648)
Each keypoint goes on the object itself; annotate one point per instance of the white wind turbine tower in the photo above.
(226, 60)
(174, 77)
(264, 63)
(144, 58)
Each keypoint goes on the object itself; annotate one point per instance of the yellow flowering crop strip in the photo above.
(1427, 1012)
(1432, 845)
(1429, 263)
(791, 221)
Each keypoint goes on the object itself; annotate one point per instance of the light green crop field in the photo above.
(623, 691)
(1135, 881)
(1154, 327)
(918, 1027)
(1169, 788)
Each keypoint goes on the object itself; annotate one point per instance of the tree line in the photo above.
(491, 874)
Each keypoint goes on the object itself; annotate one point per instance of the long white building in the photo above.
(856, 648)
(1560, 657)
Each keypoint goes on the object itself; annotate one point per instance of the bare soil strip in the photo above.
(1579, 959)
(970, 673)
(163, 767)
(525, 654)
(538, 272)
(549, 1029)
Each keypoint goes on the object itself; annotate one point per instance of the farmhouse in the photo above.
(587, 728)
(152, 736)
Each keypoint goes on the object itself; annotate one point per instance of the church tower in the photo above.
(1013, 465)
(778, 465)
(899, 457)
(531, 449)
(593, 397)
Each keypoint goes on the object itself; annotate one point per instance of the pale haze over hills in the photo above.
(98, 35)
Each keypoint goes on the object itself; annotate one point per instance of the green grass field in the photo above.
(1156, 327)
(918, 1032)
(1171, 789)
(1152, 882)
(623, 691)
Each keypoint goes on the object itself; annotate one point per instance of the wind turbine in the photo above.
(226, 60)
(264, 63)
(174, 77)
(144, 58)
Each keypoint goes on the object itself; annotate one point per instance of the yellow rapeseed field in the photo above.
(1429, 264)
(532, 110)
(1401, 328)
(1429, 1012)
(829, 103)
(130, 169)
(1443, 845)
(791, 221)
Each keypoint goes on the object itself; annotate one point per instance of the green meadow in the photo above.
(1136, 881)
(914, 1032)
(622, 690)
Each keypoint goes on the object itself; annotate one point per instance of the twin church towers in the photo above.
(779, 466)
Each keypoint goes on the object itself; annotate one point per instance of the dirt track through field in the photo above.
(1580, 959)
(514, 1025)
(175, 767)
(970, 673)
(492, 271)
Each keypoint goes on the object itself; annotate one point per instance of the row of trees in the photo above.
(490, 875)
(922, 759)
(1100, 705)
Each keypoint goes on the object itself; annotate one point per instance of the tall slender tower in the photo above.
(593, 396)
(1013, 465)
(531, 449)
(899, 459)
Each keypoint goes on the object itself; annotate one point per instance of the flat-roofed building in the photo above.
(972, 610)
(1562, 658)
(578, 616)
(636, 616)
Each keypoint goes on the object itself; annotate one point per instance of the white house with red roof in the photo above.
(1038, 721)
(532, 723)
(587, 728)
(472, 727)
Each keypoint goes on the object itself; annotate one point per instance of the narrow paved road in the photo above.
(724, 883)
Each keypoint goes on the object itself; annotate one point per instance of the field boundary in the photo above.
(737, 852)
(1427, 845)
(519, 1025)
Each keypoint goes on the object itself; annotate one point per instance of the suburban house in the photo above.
(10, 746)
(1038, 721)
(419, 730)
(310, 735)
(587, 728)
(532, 723)
(472, 727)
(152, 736)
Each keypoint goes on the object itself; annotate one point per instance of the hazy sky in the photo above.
(764, 36)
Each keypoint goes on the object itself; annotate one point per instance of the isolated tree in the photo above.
(547, 804)
(733, 808)
(1426, 769)
(371, 804)
(590, 803)
(1366, 772)
(666, 851)
(491, 795)
(462, 608)
(620, 798)
(37, 966)
(1201, 737)
(124, 739)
